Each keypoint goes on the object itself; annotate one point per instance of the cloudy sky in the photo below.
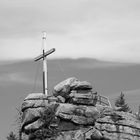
(102, 29)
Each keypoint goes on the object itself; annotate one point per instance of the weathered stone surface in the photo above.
(32, 127)
(93, 133)
(36, 96)
(71, 135)
(110, 124)
(83, 101)
(81, 85)
(61, 99)
(85, 97)
(64, 87)
(77, 114)
(37, 100)
(119, 125)
(30, 116)
(52, 99)
(33, 104)
(79, 101)
(76, 92)
(80, 115)
(65, 125)
(71, 115)
(89, 133)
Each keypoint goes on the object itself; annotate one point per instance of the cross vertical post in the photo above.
(45, 72)
(44, 57)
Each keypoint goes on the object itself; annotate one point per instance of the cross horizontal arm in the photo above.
(46, 53)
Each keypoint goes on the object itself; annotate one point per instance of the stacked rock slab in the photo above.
(76, 92)
(73, 117)
(72, 114)
(118, 125)
(65, 118)
(32, 107)
(83, 97)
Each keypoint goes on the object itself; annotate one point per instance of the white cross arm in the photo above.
(46, 54)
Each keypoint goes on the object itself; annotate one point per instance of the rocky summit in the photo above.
(71, 113)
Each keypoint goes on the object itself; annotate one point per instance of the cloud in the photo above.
(107, 30)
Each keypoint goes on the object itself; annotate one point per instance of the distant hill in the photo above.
(106, 77)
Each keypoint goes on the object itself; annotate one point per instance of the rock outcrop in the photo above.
(118, 125)
(72, 114)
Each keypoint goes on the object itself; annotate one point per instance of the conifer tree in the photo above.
(120, 102)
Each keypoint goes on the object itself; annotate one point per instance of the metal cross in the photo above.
(44, 57)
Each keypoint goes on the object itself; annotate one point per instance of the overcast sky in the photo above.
(101, 29)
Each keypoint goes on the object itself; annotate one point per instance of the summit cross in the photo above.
(44, 57)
